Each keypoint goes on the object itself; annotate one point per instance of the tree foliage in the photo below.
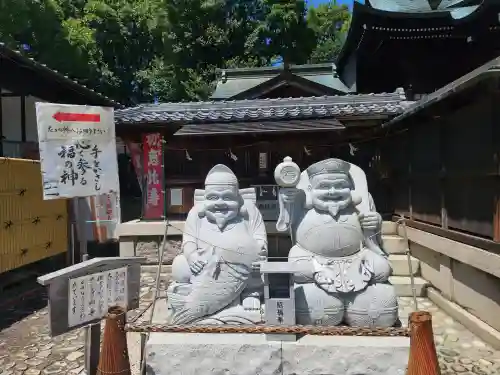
(330, 23)
(141, 50)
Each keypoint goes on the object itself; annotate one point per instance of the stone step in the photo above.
(403, 286)
(153, 269)
(389, 227)
(400, 265)
(394, 244)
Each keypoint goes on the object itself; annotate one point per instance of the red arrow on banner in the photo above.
(80, 117)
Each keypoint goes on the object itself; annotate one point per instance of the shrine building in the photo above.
(23, 82)
(412, 99)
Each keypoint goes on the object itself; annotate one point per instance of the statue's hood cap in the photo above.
(221, 175)
(329, 166)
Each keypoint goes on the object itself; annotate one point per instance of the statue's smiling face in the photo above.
(222, 204)
(331, 192)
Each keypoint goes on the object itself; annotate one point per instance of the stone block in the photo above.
(252, 354)
(404, 288)
(400, 265)
(344, 355)
(394, 244)
(389, 227)
(212, 354)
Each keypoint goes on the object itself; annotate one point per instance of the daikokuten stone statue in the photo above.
(215, 279)
(336, 232)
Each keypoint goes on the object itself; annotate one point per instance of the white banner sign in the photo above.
(103, 217)
(77, 150)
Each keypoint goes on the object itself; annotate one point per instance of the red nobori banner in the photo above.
(154, 198)
(136, 155)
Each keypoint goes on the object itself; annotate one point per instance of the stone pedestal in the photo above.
(253, 354)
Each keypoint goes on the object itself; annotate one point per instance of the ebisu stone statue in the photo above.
(335, 231)
(216, 278)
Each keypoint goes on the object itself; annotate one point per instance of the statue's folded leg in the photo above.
(314, 306)
(253, 293)
(250, 300)
(380, 265)
(375, 306)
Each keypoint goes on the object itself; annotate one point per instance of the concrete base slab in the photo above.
(252, 354)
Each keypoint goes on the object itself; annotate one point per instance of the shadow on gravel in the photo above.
(19, 301)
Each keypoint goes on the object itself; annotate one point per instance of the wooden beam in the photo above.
(1, 126)
(468, 239)
(495, 129)
(9, 94)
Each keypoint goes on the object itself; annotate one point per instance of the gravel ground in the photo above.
(149, 250)
(26, 347)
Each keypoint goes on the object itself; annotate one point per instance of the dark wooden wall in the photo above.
(304, 148)
(444, 171)
(208, 151)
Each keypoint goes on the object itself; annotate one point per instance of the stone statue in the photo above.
(216, 278)
(335, 231)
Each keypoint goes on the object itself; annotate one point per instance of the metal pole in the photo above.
(410, 267)
(145, 337)
(92, 331)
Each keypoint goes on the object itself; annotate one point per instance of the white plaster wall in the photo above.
(31, 131)
(464, 274)
(11, 118)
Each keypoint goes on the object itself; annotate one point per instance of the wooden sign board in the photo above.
(81, 294)
(77, 150)
(267, 201)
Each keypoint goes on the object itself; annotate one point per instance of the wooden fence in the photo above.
(31, 229)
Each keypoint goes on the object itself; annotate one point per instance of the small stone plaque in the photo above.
(81, 294)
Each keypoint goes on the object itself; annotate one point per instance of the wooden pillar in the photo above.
(410, 178)
(495, 128)
(22, 99)
(1, 125)
(442, 174)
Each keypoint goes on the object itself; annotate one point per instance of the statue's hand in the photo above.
(289, 194)
(196, 265)
(262, 258)
(370, 220)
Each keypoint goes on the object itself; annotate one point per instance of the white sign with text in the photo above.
(77, 150)
(90, 296)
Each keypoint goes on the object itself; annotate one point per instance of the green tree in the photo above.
(330, 23)
(129, 36)
(286, 30)
(203, 35)
(37, 28)
(138, 50)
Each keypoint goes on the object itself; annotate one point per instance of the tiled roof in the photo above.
(418, 6)
(341, 106)
(24, 61)
(234, 82)
(488, 70)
